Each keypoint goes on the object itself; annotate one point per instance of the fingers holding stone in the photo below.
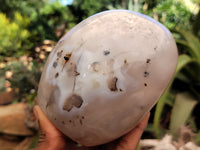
(131, 140)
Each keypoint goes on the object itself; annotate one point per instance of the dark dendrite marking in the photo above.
(81, 122)
(146, 74)
(112, 84)
(59, 54)
(106, 52)
(141, 107)
(72, 122)
(55, 64)
(145, 84)
(125, 61)
(76, 73)
(66, 58)
(56, 75)
(148, 61)
(73, 100)
(94, 66)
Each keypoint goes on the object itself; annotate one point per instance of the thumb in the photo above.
(45, 124)
(50, 137)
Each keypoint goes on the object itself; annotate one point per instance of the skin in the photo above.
(52, 139)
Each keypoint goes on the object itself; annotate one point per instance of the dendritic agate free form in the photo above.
(105, 74)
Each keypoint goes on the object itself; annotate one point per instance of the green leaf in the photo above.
(183, 60)
(182, 42)
(197, 138)
(182, 77)
(34, 142)
(183, 106)
(158, 112)
(192, 42)
(170, 100)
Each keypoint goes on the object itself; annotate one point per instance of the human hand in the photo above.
(52, 139)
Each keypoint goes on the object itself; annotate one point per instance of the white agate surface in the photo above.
(105, 74)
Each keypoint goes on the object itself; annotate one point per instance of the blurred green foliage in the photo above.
(13, 34)
(173, 13)
(45, 21)
(9, 7)
(81, 9)
(25, 78)
(24, 24)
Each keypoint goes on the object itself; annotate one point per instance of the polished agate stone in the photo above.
(106, 74)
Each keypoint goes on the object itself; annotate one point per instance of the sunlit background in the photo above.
(64, 2)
